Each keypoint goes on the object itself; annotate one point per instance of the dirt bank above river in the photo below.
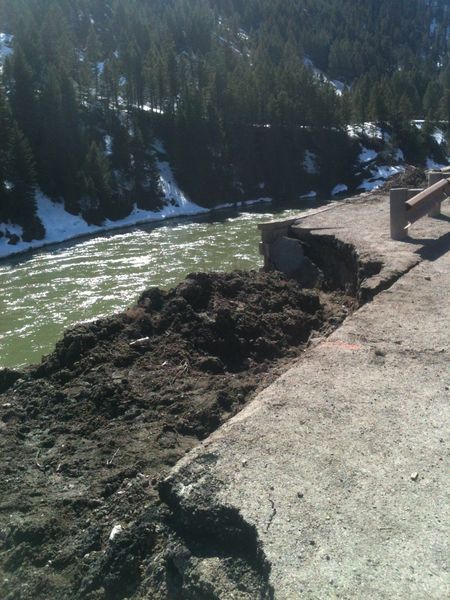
(87, 435)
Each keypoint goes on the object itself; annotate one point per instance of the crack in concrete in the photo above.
(273, 513)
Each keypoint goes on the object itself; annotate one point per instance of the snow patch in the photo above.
(384, 172)
(366, 155)
(439, 136)
(5, 45)
(399, 155)
(229, 44)
(310, 163)
(255, 201)
(379, 176)
(159, 147)
(432, 165)
(340, 188)
(174, 195)
(153, 109)
(369, 129)
(433, 27)
(339, 86)
(108, 144)
(311, 194)
(243, 204)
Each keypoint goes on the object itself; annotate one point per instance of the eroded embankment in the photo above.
(88, 434)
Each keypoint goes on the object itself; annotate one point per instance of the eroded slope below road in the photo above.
(88, 434)
(333, 481)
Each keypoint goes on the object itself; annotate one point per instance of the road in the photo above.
(336, 475)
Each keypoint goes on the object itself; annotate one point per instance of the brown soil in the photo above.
(87, 435)
(412, 177)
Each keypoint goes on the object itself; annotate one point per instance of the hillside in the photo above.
(251, 99)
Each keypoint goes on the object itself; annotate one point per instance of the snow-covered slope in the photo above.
(5, 47)
(61, 226)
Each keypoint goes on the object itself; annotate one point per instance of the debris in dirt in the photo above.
(153, 381)
(142, 343)
(414, 476)
(116, 530)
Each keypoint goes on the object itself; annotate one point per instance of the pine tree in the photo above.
(445, 109)
(93, 54)
(431, 100)
(97, 180)
(5, 157)
(23, 97)
(121, 149)
(23, 181)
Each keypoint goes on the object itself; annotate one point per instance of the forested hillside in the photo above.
(250, 97)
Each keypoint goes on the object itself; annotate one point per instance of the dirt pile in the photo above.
(87, 435)
(412, 177)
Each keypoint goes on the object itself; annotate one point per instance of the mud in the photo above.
(87, 435)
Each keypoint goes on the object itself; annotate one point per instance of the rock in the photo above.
(414, 476)
(13, 239)
(211, 364)
(141, 344)
(116, 530)
(8, 378)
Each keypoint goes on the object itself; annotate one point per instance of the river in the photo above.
(44, 292)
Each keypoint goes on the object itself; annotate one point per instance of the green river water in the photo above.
(49, 290)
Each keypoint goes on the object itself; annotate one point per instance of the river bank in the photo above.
(372, 171)
(63, 227)
(88, 434)
(104, 274)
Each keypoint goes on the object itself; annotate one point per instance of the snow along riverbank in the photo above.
(61, 226)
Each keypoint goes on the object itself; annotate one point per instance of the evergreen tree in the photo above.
(22, 180)
(97, 183)
(6, 128)
(445, 109)
(23, 96)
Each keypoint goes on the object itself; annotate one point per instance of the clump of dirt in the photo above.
(87, 435)
(412, 177)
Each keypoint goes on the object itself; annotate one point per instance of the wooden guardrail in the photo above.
(408, 206)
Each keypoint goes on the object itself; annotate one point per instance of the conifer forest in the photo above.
(237, 90)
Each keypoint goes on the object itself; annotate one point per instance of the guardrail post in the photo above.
(399, 219)
(434, 177)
